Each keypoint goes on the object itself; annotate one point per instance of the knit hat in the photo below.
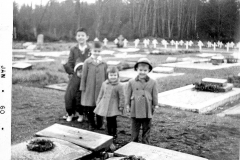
(78, 65)
(143, 60)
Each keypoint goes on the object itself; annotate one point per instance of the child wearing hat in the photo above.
(142, 99)
(93, 75)
(111, 101)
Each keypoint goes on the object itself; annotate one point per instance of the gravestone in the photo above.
(176, 44)
(105, 41)
(187, 43)
(216, 60)
(145, 43)
(181, 42)
(19, 57)
(214, 46)
(14, 33)
(165, 43)
(200, 44)
(96, 39)
(233, 111)
(220, 45)
(232, 44)
(154, 42)
(40, 39)
(26, 44)
(227, 46)
(136, 42)
(22, 66)
(125, 42)
(115, 41)
(190, 43)
(86, 139)
(171, 60)
(153, 153)
(216, 81)
(62, 150)
(209, 44)
(172, 42)
(60, 86)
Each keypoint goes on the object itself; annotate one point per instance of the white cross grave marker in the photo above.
(165, 43)
(181, 42)
(190, 43)
(154, 42)
(172, 42)
(227, 45)
(176, 44)
(220, 45)
(136, 42)
(209, 44)
(105, 41)
(214, 46)
(200, 44)
(115, 41)
(232, 44)
(187, 44)
(125, 42)
(145, 43)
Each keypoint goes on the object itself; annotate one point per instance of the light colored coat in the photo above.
(142, 97)
(93, 75)
(110, 100)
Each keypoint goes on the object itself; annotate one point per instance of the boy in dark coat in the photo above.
(78, 53)
(142, 99)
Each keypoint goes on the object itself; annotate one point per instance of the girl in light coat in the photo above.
(110, 102)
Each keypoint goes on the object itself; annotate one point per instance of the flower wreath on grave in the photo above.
(40, 145)
(207, 87)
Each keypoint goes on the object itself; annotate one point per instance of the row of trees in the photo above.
(169, 19)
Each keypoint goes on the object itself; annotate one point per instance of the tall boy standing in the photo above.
(142, 99)
(78, 53)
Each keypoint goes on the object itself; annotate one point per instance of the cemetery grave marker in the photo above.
(19, 57)
(125, 42)
(105, 41)
(214, 46)
(187, 44)
(209, 44)
(145, 43)
(165, 43)
(62, 150)
(40, 39)
(176, 44)
(172, 42)
(34, 61)
(171, 59)
(227, 46)
(22, 66)
(190, 43)
(26, 44)
(60, 86)
(86, 139)
(136, 42)
(232, 44)
(115, 41)
(153, 153)
(200, 44)
(154, 42)
(96, 39)
(31, 47)
(181, 42)
(187, 98)
(168, 70)
(231, 111)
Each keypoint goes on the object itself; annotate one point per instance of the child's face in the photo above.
(112, 77)
(143, 70)
(96, 51)
(79, 73)
(81, 37)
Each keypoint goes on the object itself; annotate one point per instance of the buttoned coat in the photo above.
(110, 100)
(93, 75)
(76, 56)
(142, 97)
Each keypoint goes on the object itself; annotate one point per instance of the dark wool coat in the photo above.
(142, 97)
(110, 100)
(93, 75)
(76, 56)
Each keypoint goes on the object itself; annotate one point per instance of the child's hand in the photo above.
(156, 107)
(79, 74)
(127, 108)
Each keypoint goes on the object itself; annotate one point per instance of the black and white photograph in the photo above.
(121, 80)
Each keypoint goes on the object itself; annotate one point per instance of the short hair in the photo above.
(113, 69)
(82, 30)
(143, 64)
(97, 44)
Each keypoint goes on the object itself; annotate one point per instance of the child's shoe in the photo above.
(80, 118)
(69, 118)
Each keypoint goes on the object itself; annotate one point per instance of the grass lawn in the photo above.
(216, 138)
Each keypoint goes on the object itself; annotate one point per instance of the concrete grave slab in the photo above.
(47, 54)
(205, 55)
(60, 86)
(130, 56)
(130, 73)
(171, 59)
(108, 52)
(187, 98)
(153, 153)
(26, 44)
(31, 47)
(128, 49)
(219, 82)
(19, 57)
(22, 66)
(231, 111)
(34, 61)
(86, 139)
(113, 63)
(62, 150)
(205, 66)
(168, 70)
